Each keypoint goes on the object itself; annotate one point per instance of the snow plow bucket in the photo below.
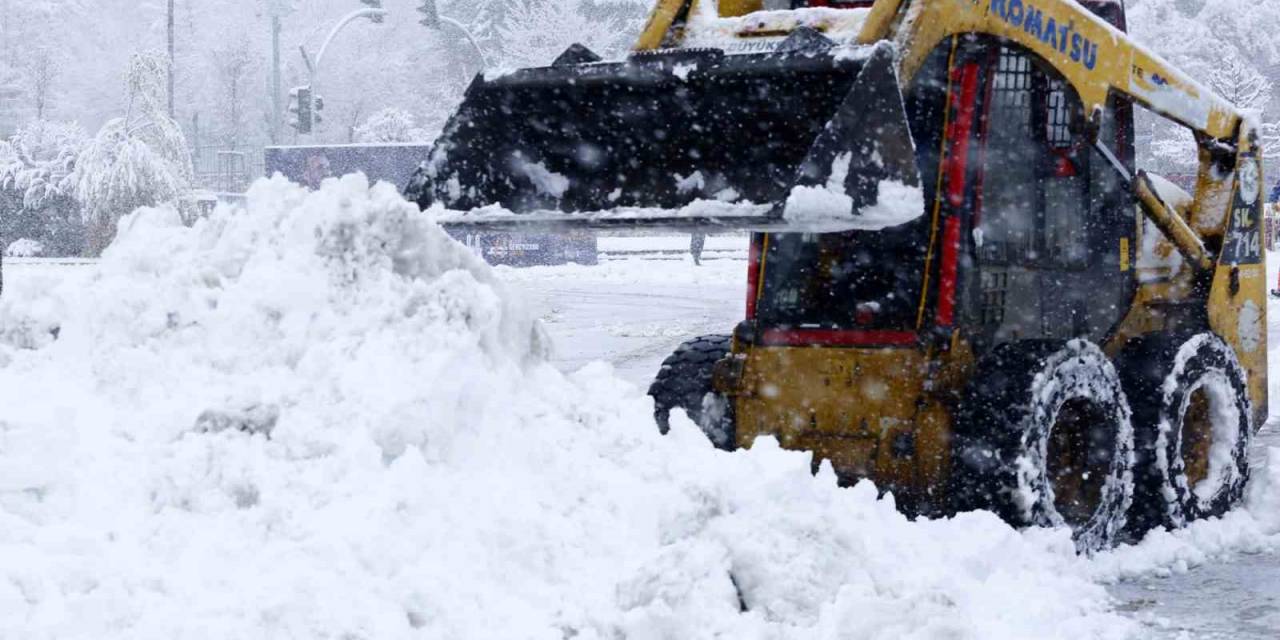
(803, 137)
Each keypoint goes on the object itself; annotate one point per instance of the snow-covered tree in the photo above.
(1269, 132)
(1248, 89)
(536, 31)
(138, 160)
(1240, 83)
(445, 98)
(368, 68)
(390, 125)
(1248, 26)
(233, 63)
(37, 186)
(39, 161)
(480, 18)
(1228, 45)
(42, 69)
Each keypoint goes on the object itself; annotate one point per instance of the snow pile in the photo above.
(24, 248)
(545, 180)
(829, 206)
(321, 417)
(897, 203)
(707, 29)
(725, 209)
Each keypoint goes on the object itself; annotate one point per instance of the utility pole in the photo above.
(278, 10)
(172, 60)
(277, 107)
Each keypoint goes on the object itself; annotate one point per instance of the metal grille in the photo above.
(1059, 121)
(1012, 91)
(995, 290)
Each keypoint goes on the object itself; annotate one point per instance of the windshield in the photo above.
(866, 279)
(853, 280)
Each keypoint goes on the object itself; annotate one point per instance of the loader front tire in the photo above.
(1043, 438)
(1192, 422)
(684, 381)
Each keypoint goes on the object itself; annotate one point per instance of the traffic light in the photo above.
(430, 16)
(317, 106)
(301, 115)
(373, 4)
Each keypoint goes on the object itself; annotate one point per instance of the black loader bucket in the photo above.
(620, 143)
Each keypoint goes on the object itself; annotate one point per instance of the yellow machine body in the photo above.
(884, 412)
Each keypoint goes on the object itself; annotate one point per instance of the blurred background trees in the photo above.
(1230, 47)
(62, 65)
(71, 66)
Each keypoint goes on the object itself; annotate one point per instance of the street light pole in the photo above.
(466, 33)
(313, 66)
(432, 20)
(305, 111)
(278, 10)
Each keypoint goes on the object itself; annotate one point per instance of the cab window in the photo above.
(1050, 218)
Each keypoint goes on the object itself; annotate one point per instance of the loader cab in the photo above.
(1050, 219)
(1027, 232)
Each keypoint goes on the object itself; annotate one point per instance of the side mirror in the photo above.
(1093, 126)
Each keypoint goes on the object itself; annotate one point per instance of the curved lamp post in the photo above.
(313, 67)
(433, 20)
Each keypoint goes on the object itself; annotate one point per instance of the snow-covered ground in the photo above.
(323, 418)
(729, 245)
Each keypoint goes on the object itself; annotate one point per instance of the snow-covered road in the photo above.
(1237, 597)
(633, 313)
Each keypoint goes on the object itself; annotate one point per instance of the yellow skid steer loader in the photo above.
(961, 287)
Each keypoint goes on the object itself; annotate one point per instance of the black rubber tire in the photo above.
(684, 381)
(1160, 374)
(1003, 429)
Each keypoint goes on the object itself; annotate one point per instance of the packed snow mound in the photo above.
(24, 248)
(319, 416)
(829, 206)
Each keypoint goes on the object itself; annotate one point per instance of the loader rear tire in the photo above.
(1192, 423)
(1043, 438)
(684, 381)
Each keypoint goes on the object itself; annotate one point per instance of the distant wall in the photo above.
(393, 163)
